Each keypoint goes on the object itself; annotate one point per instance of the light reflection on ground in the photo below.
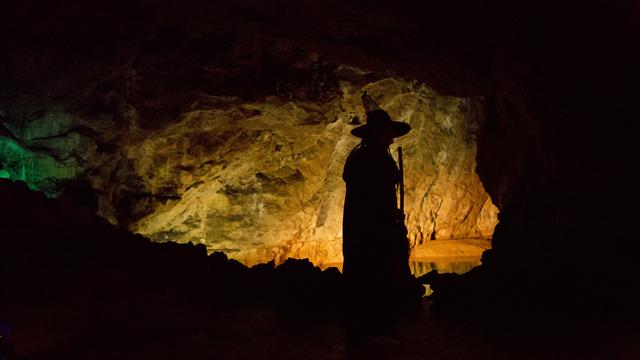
(419, 267)
(446, 256)
(456, 264)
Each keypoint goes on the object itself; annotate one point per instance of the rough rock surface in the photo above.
(260, 180)
(227, 124)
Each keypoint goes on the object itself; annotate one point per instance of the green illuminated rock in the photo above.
(45, 152)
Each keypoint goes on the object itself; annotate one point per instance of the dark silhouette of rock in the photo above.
(47, 251)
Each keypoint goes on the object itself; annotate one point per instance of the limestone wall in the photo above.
(256, 177)
(262, 181)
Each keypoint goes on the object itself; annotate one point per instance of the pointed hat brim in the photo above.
(398, 128)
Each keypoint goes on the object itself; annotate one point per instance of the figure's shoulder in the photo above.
(369, 154)
(358, 157)
(359, 152)
(356, 161)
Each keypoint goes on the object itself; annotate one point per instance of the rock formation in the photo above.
(263, 180)
(259, 180)
(551, 85)
(230, 138)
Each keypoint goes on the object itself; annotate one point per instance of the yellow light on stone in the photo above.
(272, 187)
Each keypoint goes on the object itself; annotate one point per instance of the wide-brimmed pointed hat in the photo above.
(379, 120)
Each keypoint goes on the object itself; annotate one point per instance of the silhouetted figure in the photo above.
(375, 246)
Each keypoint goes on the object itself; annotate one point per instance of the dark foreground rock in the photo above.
(76, 272)
(75, 287)
(50, 247)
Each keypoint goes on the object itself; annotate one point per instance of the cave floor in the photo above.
(259, 333)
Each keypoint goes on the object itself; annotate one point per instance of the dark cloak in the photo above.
(375, 246)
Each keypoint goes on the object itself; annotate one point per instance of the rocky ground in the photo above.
(259, 333)
(76, 287)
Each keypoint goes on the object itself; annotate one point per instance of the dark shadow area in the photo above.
(75, 287)
(74, 274)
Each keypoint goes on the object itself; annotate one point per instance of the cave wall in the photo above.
(198, 133)
(554, 85)
(262, 180)
(258, 180)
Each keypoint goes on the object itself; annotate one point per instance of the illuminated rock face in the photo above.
(236, 139)
(262, 180)
(44, 151)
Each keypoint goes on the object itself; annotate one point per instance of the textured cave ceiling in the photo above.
(532, 81)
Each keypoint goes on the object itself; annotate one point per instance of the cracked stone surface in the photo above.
(264, 182)
(230, 135)
(260, 180)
